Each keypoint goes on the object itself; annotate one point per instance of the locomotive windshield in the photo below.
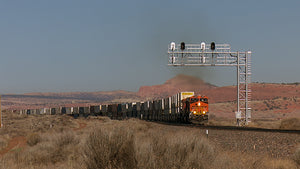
(204, 100)
(193, 100)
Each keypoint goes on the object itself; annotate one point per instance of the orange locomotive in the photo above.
(197, 108)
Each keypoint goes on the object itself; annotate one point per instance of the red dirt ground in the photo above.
(19, 142)
(81, 126)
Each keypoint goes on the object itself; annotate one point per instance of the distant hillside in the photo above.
(172, 86)
(93, 96)
(37, 100)
(259, 91)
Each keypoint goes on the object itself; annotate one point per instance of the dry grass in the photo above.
(287, 124)
(23, 125)
(297, 156)
(130, 143)
(290, 123)
(50, 150)
(33, 139)
(265, 123)
(236, 160)
(135, 144)
(3, 143)
(110, 148)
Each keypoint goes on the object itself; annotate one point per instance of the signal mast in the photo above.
(218, 55)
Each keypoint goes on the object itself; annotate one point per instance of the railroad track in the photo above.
(232, 128)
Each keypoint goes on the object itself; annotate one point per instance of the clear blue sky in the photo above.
(95, 45)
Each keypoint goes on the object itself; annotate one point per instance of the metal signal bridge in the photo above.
(218, 55)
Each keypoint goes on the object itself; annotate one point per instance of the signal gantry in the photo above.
(218, 55)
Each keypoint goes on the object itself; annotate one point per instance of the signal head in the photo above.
(182, 46)
(202, 46)
(212, 46)
(173, 46)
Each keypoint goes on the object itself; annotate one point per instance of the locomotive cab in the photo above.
(197, 108)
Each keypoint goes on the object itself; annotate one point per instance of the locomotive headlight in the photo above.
(194, 112)
(199, 104)
(204, 112)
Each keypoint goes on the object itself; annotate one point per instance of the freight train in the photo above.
(183, 107)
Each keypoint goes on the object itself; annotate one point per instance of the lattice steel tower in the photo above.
(218, 55)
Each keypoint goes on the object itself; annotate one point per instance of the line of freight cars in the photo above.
(150, 110)
(168, 109)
